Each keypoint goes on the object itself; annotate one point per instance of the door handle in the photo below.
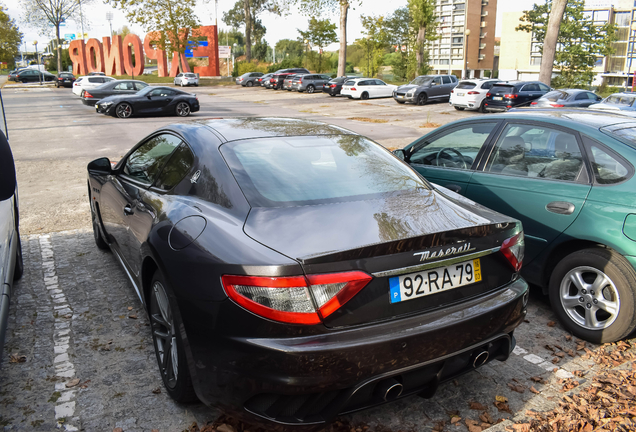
(560, 207)
(128, 210)
(454, 187)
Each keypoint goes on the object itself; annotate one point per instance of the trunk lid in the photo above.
(382, 236)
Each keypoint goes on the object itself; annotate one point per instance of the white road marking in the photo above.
(541, 362)
(64, 367)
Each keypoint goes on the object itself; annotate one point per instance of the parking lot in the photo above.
(79, 354)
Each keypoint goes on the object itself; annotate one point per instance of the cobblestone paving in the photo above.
(77, 320)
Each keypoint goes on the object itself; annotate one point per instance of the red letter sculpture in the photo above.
(156, 54)
(77, 52)
(94, 56)
(113, 56)
(138, 68)
(211, 51)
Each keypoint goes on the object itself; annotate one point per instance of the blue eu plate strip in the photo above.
(394, 283)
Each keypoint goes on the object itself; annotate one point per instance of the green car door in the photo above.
(449, 157)
(536, 174)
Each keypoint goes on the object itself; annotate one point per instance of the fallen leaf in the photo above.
(130, 308)
(225, 428)
(502, 399)
(118, 430)
(17, 358)
(550, 324)
(568, 337)
(522, 427)
(157, 390)
(72, 383)
(534, 390)
(455, 419)
(517, 388)
(503, 407)
(132, 316)
(538, 379)
(477, 406)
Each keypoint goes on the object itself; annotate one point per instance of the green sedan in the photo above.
(569, 177)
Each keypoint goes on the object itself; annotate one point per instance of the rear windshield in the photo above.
(555, 95)
(465, 85)
(626, 134)
(190, 75)
(503, 89)
(349, 83)
(291, 171)
(618, 99)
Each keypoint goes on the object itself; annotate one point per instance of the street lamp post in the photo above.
(37, 55)
(132, 66)
(466, 34)
(630, 53)
(307, 54)
(109, 18)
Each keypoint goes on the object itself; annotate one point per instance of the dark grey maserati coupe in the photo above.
(294, 271)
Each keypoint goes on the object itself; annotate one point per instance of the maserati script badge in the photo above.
(426, 255)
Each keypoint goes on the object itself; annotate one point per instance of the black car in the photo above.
(294, 270)
(34, 75)
(333, 87)
(504, 96)
(11, 264)
(426, 88)
(277, 80)
(150, 100)
(64, 79)
(112, 88)
(566, 98)
(262, 81)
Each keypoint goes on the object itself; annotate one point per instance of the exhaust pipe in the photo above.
(480, 359)
(389, 389)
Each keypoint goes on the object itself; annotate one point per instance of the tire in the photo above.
(97, 234)
(249, 84)
(123, 110)
(571, 303)
(422, 99)
(182, 109)
(482, 107)
(458, 108)
(181, 83)
(332, 95)
(166, 337)
(311, 89)
(19, 262)
(364, 96)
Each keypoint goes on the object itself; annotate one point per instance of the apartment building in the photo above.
(520, 53)
(467, 38)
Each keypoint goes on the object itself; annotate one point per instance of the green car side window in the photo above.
(607, 166)
(457, 148)
(536, 151)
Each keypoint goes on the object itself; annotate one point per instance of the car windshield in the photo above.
(555, 95)
(618, 99)
(293, 171)
(625, 134)
(420, 80)
(144, 91)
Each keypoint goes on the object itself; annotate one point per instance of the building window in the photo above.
(601, 17)
(535, 61)
(458, 40)
(621, 19)
(443, 61)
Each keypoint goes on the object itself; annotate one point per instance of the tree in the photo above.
(168, 20)
(294, 48)
(320, 33)
(44, 14)
(398, 34)
(10, 38)
(580, 43)
(123, 32)
(424, 25)
(549, 45)
(374, 44)
(245, 13)
(318, 8)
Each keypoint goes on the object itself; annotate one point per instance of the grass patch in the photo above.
(154, 79)
(445, 113)
(368, 120)
(55, 396)
(429, 124)
(260, 102)
(308, 111)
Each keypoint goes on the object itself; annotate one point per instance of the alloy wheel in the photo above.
(310, 89)
(183, 109)
(164, 334)
(123, 110)
(590, 298)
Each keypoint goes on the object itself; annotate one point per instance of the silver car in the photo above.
(186, 79)
(309, 82)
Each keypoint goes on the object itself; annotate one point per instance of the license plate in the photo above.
(497, 98)
(460, 94)
(400, 97)
(414, 285)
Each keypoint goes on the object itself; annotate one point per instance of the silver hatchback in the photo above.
(186, 79)
(310, 82)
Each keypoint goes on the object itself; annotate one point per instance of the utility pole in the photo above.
(82, 19)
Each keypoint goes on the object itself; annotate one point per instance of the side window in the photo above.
(94, 80)
(591, 96)
(455, 149)
(124, 86)
(487, 85)
(325, 77)
(536, 151)
(139, 86)
(437, 81)
(446, 79)
(176, 168)
(581, 96)
(607, 166)
(144, 164)
(380, 83)
(543, 87)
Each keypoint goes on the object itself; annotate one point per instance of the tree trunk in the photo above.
(550, 42)
(419, 44)
(248, 30)
(342, 55)
(58, 48)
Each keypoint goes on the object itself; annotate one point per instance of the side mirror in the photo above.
(598, 98)
(148, 97)
(7, 170)
(100, 166)
(400, 153)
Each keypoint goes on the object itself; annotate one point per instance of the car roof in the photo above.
(575, 118)
(241, 128)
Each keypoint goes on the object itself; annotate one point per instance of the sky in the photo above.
(278, 28)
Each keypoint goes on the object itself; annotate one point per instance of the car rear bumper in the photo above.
(90, 101)
(310, 379)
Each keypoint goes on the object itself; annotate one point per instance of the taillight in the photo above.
(558, 105)
(513, 250)
(295, 299)
(510, 96)
(87, 94)
(352, 89)
(473, 93)
(534, 103)
(452, 91)
(332, 86)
